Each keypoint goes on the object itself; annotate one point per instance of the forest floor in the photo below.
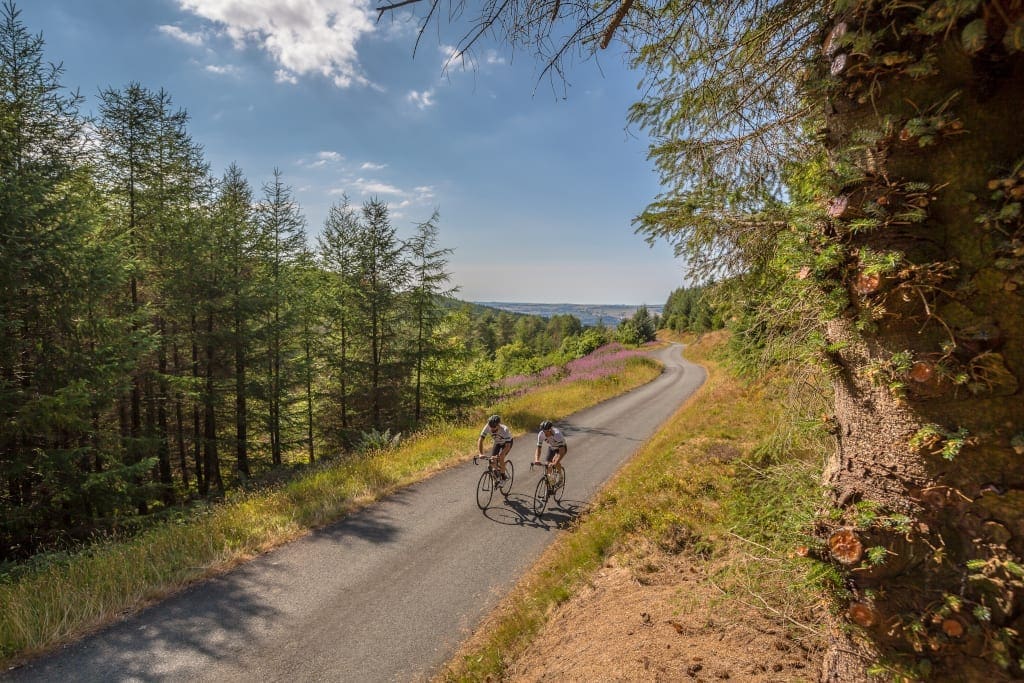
(663, 621)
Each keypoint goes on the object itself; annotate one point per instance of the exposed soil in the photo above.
(663, 619)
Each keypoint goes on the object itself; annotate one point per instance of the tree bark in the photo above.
(929, 355)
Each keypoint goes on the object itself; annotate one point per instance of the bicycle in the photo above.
(551, 485)
(490, 480)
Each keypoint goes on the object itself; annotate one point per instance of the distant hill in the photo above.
(588, 314)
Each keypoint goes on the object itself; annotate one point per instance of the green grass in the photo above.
(54, 602)
(708, 482)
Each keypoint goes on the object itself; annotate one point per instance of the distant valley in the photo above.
(588, 314)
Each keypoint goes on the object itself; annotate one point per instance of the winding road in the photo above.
(386, 594)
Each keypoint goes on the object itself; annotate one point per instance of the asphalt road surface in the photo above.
(386, 594)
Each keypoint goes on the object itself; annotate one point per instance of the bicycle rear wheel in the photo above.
(560, 488)
(540, 497)
(510, 472)
(484, 490)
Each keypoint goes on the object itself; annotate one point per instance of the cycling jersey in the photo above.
(501, 436)
(556, 440)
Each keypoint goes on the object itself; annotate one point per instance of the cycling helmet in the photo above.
(545, 425)
(494, 420)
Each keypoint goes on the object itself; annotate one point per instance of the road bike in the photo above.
(491, 481)
(550, 485)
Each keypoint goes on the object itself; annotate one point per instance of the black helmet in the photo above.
(545, 425)
(494, 420)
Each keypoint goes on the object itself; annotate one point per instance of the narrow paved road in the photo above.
(384, 595)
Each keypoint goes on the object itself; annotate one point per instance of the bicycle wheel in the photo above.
(560, 488)
(510, 472)
(484, 490)
(540, 497)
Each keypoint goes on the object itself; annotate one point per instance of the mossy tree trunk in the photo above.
(925, 131)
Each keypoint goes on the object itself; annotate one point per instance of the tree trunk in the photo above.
(211, 459)
(309, 400)
(197, 432)
(180, 426)
(241, 409)
(928, 473)
(163, 432)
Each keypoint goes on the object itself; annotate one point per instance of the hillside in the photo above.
(588, 314)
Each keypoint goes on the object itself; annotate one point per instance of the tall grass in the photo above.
(57, 601)
(689, 487)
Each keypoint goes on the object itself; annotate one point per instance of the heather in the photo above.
(606, 360)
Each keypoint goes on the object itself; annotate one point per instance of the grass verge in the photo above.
(57, 602)
(710, 482)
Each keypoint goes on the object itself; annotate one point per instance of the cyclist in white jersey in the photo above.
(557, 447)
(502, 438)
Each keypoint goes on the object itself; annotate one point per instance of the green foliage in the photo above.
(374, 440)
(638, 329)
(940, 441)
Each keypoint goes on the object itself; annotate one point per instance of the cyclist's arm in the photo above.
(480, 445)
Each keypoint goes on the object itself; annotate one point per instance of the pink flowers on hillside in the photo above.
(604, 361)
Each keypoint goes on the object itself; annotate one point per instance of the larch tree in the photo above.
(282, 226)
(238, 235)
(126, 136)
(861, 163)
(63, 354)
(382, 278)
(336, 256)
(429, 284)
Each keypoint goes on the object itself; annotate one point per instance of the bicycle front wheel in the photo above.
(560, 488)
(484, 490)
(540, 497)
(510, 471)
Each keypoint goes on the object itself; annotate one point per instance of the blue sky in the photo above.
(536, 185)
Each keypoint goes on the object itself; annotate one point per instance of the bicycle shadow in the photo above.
(515, 510)
(561, 515)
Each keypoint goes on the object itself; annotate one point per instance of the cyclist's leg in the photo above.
(501, 450)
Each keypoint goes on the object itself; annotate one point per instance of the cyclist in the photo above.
(557, 446)
(502, 438)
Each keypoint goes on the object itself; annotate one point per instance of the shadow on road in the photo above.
(215, 618)
(370, 524)
(517, 510)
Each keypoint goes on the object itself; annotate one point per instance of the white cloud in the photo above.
(285, 76)
(326, 157)
(227, 70)
(375, 187)
(493, 57)
(450, 55)
(303, 36)
(370, 166)
(181, 35)
(422, 100)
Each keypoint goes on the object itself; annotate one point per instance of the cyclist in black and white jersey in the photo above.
(557, 447)
(502, 438)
